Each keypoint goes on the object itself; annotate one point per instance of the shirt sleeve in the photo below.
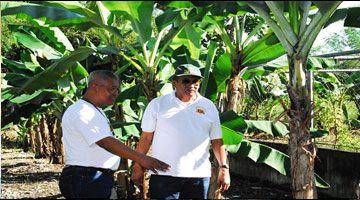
(148, 123)
(92, 125)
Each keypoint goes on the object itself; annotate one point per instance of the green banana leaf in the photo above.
(232, 127)
(189, 37)
(222, 71)
(36, 45)
(262, 51)
(350, 17)
(54, 13)
(260, 153)
(209, 62)
(257, 91)
(138, 12)
(57, 70)
(131, 93)
(26, 97)
(278, 129)
(54, 36)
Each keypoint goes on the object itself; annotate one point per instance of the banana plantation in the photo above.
(256, 58)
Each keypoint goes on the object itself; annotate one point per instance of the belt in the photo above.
(91, 168)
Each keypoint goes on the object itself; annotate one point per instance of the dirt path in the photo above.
(23, 176)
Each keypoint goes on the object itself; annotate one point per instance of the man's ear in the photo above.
(173, 82)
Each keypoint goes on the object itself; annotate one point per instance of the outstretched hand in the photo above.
(154, 164)
(150, 163)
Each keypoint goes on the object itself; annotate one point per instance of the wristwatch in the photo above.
(224, 166)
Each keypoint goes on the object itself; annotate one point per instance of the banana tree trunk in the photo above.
(231, 103)
(302, 150)
(233, 94)
(46, 135)
(32, 135)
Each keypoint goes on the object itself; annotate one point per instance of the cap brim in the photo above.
(188, 75)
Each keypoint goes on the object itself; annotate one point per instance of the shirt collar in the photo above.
(172, 95)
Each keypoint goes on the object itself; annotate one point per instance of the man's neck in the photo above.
(186, 98)
(91, 100)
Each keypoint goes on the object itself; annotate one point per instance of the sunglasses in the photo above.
(187, 81)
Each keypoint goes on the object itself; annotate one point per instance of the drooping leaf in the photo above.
(231, 120)
(257, 91)
(278, 129)
(37, 45)
(232, 127)
(53, 13)
(57, 70)
(231, 137)
(260, 153)
(25, 97)
(352, 19)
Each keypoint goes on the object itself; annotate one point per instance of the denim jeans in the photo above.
(169, 187)
(82, 182)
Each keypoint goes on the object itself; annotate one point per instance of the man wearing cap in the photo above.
(180, 126)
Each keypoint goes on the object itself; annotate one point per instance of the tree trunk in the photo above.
(39, 151)
(302, 157)
(61, 143)
(58, 155)
(232, 94)
(32, 135)
(213, 187)
(46, 136)
(302, 150)
(231, 103)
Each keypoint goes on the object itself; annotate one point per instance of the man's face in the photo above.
(107, 91)
(187, 85)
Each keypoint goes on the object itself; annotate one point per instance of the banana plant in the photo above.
(297, 32)
(234, 127)
(240, 54)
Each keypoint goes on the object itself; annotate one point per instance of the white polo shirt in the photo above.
(182, 134)
(83, 125)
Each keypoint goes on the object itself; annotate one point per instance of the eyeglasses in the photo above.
(187, 81)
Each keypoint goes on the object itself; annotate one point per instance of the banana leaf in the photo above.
(260, 153)
(57, 70)
(278, 129)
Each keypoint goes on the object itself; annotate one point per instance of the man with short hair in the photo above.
(180, 127)
(92, 153)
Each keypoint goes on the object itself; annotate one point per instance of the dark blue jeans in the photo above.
(169, 187)
(82, 182)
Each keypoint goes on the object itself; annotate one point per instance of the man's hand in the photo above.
(224, 179)
(116, 147)
(153, 164)
(150, 163)
(137, 175)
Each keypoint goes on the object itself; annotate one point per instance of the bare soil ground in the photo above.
(24, 177)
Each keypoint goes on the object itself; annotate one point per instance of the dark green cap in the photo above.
(187, 70)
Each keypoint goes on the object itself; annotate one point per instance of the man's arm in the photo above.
(221, 156)
(118, 148)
